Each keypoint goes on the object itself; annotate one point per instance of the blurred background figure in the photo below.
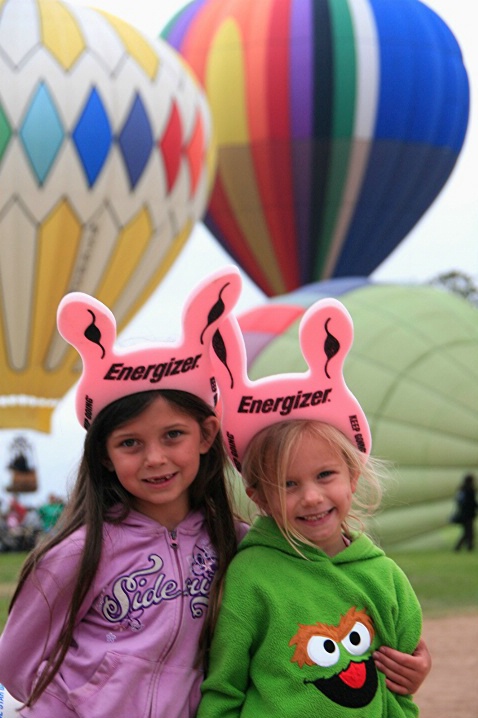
(466, 509)
(50, 512)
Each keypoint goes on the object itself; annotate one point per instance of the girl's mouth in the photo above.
(312, 518)
(158, 480)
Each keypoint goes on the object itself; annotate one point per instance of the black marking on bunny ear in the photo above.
(215, 312)
(331, 347)
(221, 352)
(93, 334)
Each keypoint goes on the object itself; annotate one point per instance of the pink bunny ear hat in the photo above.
(110, 373)
(320, 393)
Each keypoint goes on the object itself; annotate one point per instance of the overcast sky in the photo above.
(446, 238)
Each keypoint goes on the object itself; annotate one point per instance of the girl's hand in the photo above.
(404, 673)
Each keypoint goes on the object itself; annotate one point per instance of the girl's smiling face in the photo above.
(156, 458)
(317, 494)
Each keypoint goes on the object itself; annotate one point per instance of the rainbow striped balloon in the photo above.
(338, 123)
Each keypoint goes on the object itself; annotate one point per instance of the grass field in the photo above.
(445, 582)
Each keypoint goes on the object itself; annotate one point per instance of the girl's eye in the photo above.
(128, 442)
(174, 433)
(290, 484)
(325, 474)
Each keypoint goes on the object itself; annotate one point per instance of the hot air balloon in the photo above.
(338, 122)
(414, 368)
(106, 163)
(22, 467)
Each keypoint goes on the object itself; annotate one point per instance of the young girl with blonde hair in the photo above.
(309, 599)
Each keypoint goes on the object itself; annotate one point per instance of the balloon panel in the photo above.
(397, 525)
(106, 163)
(414, 368)
(337, 124)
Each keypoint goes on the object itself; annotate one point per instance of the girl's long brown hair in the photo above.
(96, 494)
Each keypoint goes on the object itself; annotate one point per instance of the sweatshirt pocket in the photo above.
(119, 687)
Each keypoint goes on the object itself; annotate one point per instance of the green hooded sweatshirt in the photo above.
(295, 636)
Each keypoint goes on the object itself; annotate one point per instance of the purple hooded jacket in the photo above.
(135, 643)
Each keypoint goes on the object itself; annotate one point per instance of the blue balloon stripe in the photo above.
(391, 198)
(136, 141)
(455, 95)
(93, 137)
(412, 54)
(41, 132)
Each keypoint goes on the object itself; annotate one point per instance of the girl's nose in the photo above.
(154, 455)
(311, 495)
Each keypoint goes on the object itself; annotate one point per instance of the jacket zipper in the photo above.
(175, 546)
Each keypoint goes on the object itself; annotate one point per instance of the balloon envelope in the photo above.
(337, 121)
(106, 163)
(413, 367)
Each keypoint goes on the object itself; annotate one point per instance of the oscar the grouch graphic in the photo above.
(344, 652)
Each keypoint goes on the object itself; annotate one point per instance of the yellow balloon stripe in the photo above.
(230, 118)
(129, 248)
(232, 135)
(60, 33)
(167, 261)
(32, 417)
(136, 45)
(58, 242)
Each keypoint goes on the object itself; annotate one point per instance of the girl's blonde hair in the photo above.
(266, 466)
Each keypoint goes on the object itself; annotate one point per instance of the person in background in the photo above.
(50, 512)
(466, 510)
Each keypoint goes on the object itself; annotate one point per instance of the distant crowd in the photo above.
(21, 525)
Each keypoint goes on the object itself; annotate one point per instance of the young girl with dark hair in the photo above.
(113, 613)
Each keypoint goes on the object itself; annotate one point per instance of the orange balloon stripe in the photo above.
(256, 23)
(277, 66)
(273, 159)
(196, 44)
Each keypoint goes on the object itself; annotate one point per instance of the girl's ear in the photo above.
(354, 477)
(209, 430)
(256, 497)
(107, 463)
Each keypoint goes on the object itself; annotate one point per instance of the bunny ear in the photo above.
(210, 302)
(320, 393)
(86, 324)
(110, 373)
(326, 335)
(229, 357)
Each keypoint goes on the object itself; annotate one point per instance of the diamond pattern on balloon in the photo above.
(195, 152)
(93, 136)
(42, 133)
(170, 146)
(5, 132)
(136, 141)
